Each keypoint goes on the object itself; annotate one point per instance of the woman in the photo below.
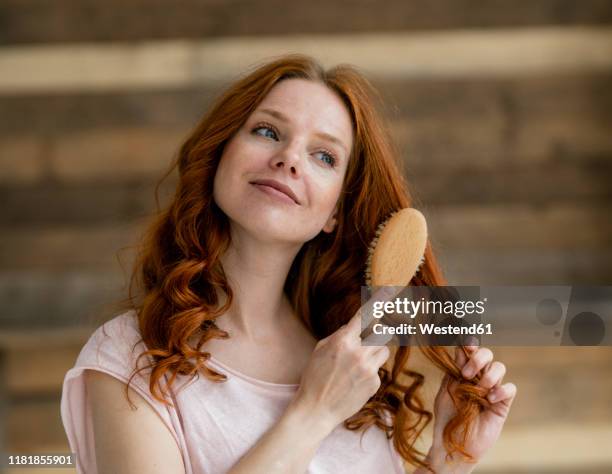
(250, 288)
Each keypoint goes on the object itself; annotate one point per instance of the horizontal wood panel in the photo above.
(541, 184)
(545, 393)
(81, 203)
(486, 110)
(473, 227)
(542, 266)
(125, 199)
(501, 53)
(545, 119)
(30, 372)
(476, 228)
(55, 339)
(123, 157)
(34, 21)
(70, 248)
(56, 297)
(59, 299)
(552, 448)
(34, 423)
(523, 130)
(99, 153)
(49, 115)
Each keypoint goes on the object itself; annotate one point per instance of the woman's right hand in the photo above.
(341, 376)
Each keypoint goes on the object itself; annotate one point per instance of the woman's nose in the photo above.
(288, 158)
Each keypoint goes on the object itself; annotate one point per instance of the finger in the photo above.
(354, 324)
(369, 330)
(460, 357)
(504, 394)
(380, 356)
(444, 383)
(493, 375)
(477, 362)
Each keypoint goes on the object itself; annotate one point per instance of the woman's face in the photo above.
(298, 139)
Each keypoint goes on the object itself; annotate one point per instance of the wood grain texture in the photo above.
(31, 21)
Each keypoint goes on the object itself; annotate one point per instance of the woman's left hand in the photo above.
(488, 424)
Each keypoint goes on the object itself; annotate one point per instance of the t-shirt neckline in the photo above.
(278, 387)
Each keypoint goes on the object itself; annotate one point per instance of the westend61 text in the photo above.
(432, 329)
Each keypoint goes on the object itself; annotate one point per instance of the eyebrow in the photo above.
(327, 136)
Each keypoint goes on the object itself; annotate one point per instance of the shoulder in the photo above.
(98, 418)
(119, 332)
(127, 435)
(115, 345)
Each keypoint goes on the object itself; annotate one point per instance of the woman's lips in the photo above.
(279, 186)
(269, 190)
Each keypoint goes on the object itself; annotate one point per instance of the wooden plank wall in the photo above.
(502, 111)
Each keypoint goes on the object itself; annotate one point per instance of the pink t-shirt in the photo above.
(214, 423)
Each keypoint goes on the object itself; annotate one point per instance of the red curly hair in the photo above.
(178, 272)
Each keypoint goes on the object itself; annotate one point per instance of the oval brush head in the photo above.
(397, 251)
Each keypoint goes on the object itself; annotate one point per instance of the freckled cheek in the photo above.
(248, 156)
(236, 161)
(325, 197)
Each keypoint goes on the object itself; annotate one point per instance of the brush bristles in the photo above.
(371, 247)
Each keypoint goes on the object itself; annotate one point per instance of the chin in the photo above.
(269, 229)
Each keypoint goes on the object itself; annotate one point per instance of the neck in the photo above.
(257, 271)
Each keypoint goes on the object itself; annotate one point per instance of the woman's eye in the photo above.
(264, 127)
(328, 158)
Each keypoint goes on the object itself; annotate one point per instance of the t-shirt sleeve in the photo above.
(113, 348)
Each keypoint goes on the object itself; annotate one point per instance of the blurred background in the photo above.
(502, 111)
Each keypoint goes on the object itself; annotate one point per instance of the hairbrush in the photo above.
(395, 254)
(397, 251)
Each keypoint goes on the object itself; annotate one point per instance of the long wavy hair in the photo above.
(177, 272)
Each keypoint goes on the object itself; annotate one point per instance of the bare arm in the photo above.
(128, 441)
